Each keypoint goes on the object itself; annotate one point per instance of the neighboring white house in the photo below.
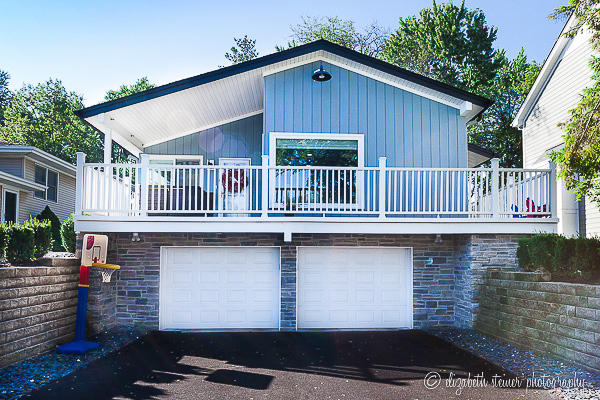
(30, 180)
(557, 90)
(270, 197)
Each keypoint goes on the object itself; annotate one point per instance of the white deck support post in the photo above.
(264, 201)
(495, 188)
(79, 183)
(553, 191)
(108, 146)
(382, 169)
(144, 165)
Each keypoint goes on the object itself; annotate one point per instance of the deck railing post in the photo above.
(144, 165)
(382, 191)
(553, 191)
(495, 188)
(264, 200)
(79, 183)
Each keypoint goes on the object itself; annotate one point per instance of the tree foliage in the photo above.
(43, 116)
(139, 86)
(369, 41)
(508, 89)
(446, 42)
(5, 93)
(579, 159)
(244, 50)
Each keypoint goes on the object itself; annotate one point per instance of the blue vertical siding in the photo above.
(241, 138)
(408, 129)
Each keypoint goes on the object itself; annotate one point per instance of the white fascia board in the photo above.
(36, 154)
(306, 225)
(20, 183)
(398, 85)
(203, 128)
(545, 74)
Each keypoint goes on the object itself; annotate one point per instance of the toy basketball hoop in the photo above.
(93, 254)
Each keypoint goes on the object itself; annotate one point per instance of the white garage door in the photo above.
(354, 288)
(219, 288)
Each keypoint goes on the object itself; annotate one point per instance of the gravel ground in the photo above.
(24, 376)
(526, 364)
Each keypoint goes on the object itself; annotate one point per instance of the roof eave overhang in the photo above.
(282, 56)
(39, 155)
(7, 179)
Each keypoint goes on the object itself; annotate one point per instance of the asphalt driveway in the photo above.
(277, 365)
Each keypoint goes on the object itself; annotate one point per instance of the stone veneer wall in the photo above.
(37, 309)
(475, 254)
(453, 278)
(552, 318)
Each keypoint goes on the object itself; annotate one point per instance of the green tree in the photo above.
(579, 159)
(369, 41)
(139, 86)
(5, 93)
(508, 89)
(446, 42)
(43, 116)
(244, 50)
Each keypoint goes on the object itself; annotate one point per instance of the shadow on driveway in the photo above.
(278, 365)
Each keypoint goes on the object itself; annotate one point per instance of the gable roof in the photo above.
(10, 150)
(550, 64)
(234, 92)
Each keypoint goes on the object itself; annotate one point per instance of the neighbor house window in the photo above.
(48, 178)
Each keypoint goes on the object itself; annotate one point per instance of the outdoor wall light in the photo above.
(438, 238)
(135, 237)
(320, 75)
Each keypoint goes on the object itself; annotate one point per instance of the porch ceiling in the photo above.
(231, 93)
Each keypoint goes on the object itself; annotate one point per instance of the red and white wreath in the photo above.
(234, 180)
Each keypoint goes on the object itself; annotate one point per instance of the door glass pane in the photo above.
(10, 207)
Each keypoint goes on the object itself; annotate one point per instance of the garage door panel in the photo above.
(229, 291)
(372, 290)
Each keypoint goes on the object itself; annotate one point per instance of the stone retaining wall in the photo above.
(561, 320)
(37, 309)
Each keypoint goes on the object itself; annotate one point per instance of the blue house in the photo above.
(313, 188)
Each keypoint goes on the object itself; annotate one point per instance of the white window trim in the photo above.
(9, 190)
(175, 157)
(359, 137)
(243, 161)
(45, 198)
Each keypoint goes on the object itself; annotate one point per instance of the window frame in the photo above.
(358, 137)
(45, 183)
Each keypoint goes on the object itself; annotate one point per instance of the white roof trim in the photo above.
(544, 76)
(20, 183)
(38, 155)
(383, 77)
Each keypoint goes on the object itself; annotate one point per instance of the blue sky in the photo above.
(95, 46)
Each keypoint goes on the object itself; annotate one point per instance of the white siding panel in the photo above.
(30, 206)
(561, 94)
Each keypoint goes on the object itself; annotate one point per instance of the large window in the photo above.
(179, 177)
(337, 184)
(48, 178)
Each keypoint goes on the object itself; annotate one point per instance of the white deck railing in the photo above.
(265, 191)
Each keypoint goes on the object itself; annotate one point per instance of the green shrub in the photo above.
(541, 251)
(576, 257)
(55, 222)
(42, 233)
(3, 241)
(523, 254)
(67, 233)
(21, 243)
